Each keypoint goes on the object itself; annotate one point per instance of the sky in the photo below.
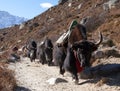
(26, 8)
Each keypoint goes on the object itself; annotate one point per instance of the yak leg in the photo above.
(75, 76)
(62, 70)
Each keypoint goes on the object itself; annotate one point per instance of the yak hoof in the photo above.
(62, 72)
(75, 81)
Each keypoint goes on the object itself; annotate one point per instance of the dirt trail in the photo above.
(33, 77)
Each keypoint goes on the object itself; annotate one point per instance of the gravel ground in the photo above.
(34, 77)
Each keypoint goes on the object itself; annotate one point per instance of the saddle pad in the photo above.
(79, 68)
(78, 65)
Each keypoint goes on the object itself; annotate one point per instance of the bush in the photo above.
(62, 1)
(7, 79)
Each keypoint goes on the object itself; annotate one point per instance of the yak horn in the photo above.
(101, 39)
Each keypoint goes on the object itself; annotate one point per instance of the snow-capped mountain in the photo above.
(7, 20)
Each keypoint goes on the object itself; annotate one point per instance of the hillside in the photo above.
(8, 20)
(101, 15)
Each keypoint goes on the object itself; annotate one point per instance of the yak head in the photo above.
(84, 50)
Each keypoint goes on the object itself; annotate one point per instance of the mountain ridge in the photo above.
(8, 20)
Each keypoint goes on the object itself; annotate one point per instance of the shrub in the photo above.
(7, 79)
(35, 24)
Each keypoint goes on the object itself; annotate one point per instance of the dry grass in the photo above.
(7, 79)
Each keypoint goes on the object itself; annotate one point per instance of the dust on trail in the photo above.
(34, 76)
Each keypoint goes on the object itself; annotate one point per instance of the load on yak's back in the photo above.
(76, 32)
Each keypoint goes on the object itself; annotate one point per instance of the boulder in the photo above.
(14, 58)
(100, 71)
(53, 81)
(110, 4)
(106, 52)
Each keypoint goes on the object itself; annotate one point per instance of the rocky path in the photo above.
(34, 77)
